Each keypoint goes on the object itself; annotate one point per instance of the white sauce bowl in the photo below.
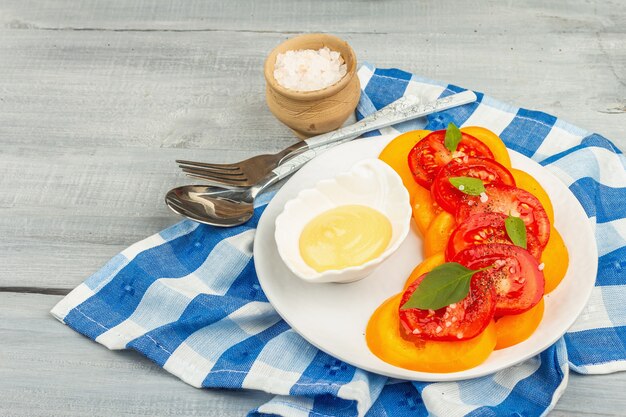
(370, 183)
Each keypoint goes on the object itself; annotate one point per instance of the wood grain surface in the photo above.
(97, 99)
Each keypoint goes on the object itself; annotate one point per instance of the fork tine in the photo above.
(218, 181)
(217, 178)
(226, 167)
(213, 174)
(233, 172)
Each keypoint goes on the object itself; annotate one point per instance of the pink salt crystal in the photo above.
(309, 70)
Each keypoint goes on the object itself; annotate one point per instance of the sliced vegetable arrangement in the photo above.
(491, 253)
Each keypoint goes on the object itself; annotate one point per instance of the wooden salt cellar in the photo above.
(310, 113)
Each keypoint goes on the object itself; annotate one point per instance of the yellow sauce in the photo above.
(344, 236)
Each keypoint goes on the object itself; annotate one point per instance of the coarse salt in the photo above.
(309, 70)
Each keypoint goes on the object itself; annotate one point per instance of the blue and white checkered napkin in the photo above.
(188, 298)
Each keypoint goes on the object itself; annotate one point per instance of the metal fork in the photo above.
(248, 172)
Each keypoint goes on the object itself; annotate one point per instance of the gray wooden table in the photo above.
(97, 99)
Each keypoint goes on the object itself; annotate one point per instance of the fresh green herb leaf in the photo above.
(516, 229)
(444, 285)
(468, 185)
(453, 137)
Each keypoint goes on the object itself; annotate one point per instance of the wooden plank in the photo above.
(82, 89)
(48, 369)
(284, 16)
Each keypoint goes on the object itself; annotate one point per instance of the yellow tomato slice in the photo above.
(385, 341)
(555, 258)
(438, 233)
(514, 329)
(396, 155)
(527, 182)
(493, 142)
(424, 208)
(427, 265)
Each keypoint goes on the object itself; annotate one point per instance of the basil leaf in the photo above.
(516, 230)
(453, 137)
(468, 185)
(444, 285)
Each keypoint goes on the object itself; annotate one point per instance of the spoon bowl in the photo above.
(215, 206)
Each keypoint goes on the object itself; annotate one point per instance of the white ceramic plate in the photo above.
(333, 317)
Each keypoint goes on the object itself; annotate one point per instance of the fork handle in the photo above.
(401, 110)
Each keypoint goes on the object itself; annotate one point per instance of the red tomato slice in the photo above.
(485, 228)
(515, 275)
(458, 321)
(488, 170)
(507, 200)
(430, 154)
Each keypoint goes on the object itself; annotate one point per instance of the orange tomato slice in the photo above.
(514, 329)
(438, 233)
(396, 155)
(427, 265)
(555, 258)
(527, 182)
(385, 341)
(424, 208)
(493, 142)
